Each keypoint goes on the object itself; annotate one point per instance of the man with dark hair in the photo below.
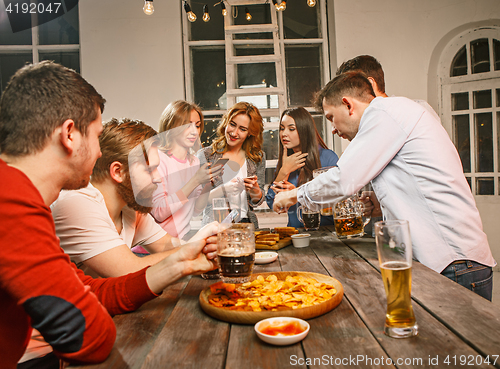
(415, 172)
(50, 121)
(370, 67)
(99, 224)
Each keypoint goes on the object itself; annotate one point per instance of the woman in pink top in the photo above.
(177, 198)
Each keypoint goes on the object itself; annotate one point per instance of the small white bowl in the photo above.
(265, 257)
(301, 240)
(280, 339)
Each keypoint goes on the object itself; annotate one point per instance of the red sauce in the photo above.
(287, 329)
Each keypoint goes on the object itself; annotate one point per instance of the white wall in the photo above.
(135, 61)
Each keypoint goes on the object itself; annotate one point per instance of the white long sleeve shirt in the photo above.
(416, 174)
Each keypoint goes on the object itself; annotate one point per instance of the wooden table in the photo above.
(457, 328)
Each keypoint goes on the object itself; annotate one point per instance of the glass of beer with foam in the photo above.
(236, 252)
(395, 257)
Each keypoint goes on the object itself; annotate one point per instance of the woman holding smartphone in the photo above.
(301, 150)
(185, 185)
(239, 139)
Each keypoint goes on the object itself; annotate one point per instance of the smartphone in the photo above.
(220, 162)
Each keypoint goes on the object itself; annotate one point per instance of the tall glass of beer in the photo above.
(236, 252)
(395, 257)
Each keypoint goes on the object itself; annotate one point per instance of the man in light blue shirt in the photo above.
(415, 172)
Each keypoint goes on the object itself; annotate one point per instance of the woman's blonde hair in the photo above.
(175, 115)
(253, 143)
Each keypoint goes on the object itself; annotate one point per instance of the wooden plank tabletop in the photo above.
(173, 332)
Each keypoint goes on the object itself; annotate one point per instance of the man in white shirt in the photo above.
(99, 224)
(415, 172)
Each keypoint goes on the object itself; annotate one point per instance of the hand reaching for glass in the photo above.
(277, 187)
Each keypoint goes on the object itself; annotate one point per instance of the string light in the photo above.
(206, 16)
(276, 5)
(190, 15)
(311, 3)
(148, 8)
(224, 10)
(282, 5)
(248, 16)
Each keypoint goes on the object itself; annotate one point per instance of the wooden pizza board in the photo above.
(277, 246)
(252, 317)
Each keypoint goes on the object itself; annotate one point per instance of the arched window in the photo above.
(470, 97)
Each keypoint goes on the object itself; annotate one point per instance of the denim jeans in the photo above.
(476, 277)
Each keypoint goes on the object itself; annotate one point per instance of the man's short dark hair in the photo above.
(39, 98)
(354, 84)
(366, 64)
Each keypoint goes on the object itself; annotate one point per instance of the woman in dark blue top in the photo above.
(301, 151)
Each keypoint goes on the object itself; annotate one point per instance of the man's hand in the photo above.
(284, 200)
(278, 187)
(371, 206)
(209, 234)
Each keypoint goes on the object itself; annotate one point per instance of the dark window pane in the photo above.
(23, 21)
(459, 63)
(301, 21)
(70, 59)
(209, 131)
(485, 186)
(482, 99)
(496, 54)
(260, 15)
(460, 101)
(480, 55)
(484, 142)
(209, 77)
(250, 50)
(211, 30)
(462, 139)
(303, 74)
(256, 75)
(498, 97)
(60, 31)
(271, 143)
(469, 182)
(10, 63)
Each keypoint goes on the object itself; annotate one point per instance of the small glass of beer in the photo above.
(310, 218)
(236, 252)
(328, 209)
(348, 218)
(395, 257)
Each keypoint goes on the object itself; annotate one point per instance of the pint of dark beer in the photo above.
(236, 252)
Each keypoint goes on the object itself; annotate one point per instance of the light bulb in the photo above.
(282, 5)
(224, 10)
(311, 3)
(148, 8)
(206, 16)
(276, 5)
(248, 16)
(191, 16)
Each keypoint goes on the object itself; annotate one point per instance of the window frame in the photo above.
(469, 83)
(35, 48)
(324, 64)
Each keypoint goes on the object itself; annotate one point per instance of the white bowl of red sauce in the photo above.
(282, 331)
